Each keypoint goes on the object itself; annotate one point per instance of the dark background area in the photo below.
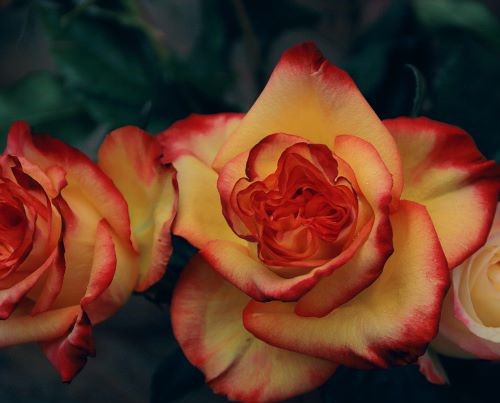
(78, 69)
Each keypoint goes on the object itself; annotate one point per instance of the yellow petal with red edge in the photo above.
(200, 136)
(131, 158)
(444, 171)
(390, 322)
(21, 327)
(308, 97)
(68, 353)
(86, 181)
(199, 218)
(206, 319)
(430, 366)
(98, 264)
(238, 264)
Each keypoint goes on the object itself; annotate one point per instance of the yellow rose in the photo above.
(326, 236)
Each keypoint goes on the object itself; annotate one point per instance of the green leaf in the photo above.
(42, 101)
(110, 59)
(468, 15)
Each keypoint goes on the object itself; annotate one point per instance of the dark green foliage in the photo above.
(438, 58)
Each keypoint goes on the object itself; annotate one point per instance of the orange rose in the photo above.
(325, 235)
(70, 254)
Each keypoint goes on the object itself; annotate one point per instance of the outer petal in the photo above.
(201, 136)
(206, 318)
(23, 328)
(308, 97)
(199, 218)
(83, 234)
(69, 352)
(238, 264)
(191, 145)
(131, 158)
(431, 368)
(390, 322)
(444, 171)
(83, 176)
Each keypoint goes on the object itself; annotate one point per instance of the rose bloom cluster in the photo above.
(325, 237)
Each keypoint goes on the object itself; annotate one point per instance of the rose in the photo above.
(70, 254)
(325, 235)
(470, 320)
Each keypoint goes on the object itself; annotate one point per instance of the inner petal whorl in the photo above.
(302, 214)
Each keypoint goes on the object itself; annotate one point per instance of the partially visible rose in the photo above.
(70, 256)
(326, 235)
(470, 320)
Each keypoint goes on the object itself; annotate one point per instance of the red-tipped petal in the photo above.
(430, 367)
(199, 218)
(131, 158)
(206, 318)
(200, 136)
(444, 171)
(21, 327)
(238, 265)
(69, 353)
(390, 322)
(308, 97)
(86, 181)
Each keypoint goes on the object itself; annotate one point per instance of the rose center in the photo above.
(303, 213)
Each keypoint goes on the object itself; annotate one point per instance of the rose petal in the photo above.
(430, 367)
(237, 264)
(206, 318)
(199, 218)
(12, 296)
(21, 327)
(444, 171)
(68, 354)
(308, 97)
(200, 136)
(131, 158)
(47, 293)
(85, 180)
(390, 322)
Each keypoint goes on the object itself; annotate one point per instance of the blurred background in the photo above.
(78, 69)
